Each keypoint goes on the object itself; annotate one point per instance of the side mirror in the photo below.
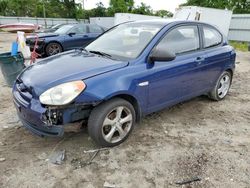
(71, 34)
(160, 53)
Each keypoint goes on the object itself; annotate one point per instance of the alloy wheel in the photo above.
(54, 49)
(224, 86)
(117, 124)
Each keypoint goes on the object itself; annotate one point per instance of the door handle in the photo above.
(199, 60)
(85, 36)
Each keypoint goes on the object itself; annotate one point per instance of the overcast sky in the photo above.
(169, 5)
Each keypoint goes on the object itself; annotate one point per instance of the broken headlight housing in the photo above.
(62, 94)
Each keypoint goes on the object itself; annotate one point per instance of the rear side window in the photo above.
(95, 29)
(182, 39)
(211, 37)
(79, 29)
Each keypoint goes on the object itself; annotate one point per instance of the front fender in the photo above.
(120, 82)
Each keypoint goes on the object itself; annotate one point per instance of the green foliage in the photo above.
(237, 6)
(143, 9)
(241, 46)
(122, 6)
(163, 13)
(3, 6)
(71, 9)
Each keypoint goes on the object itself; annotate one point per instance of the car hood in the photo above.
(66, 67)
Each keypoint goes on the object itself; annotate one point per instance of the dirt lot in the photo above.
(199, 138)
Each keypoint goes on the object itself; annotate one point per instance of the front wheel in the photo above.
(110, 123)
(222, 86)
(53, 48)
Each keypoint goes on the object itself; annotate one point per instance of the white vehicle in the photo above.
(217, 17)
(106, 22)
(125, 17)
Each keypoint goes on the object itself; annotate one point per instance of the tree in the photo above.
(143, 9)
(3, 6)
(122, 6)
(71, 9)
(20, 8)
(100, 10)
(163, 13)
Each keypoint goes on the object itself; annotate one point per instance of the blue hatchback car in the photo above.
(132, 70)
(67, 37)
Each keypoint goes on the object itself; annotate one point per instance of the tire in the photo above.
(112, 112)
(53, 48)
(218, 93)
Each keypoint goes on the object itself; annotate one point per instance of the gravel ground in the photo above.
(196, 139)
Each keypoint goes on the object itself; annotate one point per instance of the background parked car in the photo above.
(67, 37)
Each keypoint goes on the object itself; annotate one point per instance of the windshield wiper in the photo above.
(101, 53)
(82, 50)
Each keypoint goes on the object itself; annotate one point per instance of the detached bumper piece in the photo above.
(52, 131)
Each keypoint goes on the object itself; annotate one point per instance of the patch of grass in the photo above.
(241, 46)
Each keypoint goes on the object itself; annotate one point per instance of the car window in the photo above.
(95, 29)
(181, 39)
(64, 29)
(81, 29)
(211, 37)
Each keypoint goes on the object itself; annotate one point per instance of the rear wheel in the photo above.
(53, 48)
(222, 86)
(111, 122)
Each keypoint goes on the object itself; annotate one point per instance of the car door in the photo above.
(217, 55)
(173, 81)
(76, 37)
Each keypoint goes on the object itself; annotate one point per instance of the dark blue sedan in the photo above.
(65, 38)
(132, 70)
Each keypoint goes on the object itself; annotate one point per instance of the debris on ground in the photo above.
(92, 157)
(2, 159)
(42, 156)
(188, 181)
(57, 158)
(108, 185)
(79, 163)
(95, 150)
(13, 122)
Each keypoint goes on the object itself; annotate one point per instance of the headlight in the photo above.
(62, 94)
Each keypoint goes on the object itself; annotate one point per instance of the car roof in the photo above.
(167, 21)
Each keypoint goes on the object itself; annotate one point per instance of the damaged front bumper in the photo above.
(39, 48)
(47, 120)
(43, 130)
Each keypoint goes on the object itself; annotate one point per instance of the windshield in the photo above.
(56, 26)
(64, 29)
(126, 41)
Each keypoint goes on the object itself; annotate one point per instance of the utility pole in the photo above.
(44, 15)
(83, 4)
